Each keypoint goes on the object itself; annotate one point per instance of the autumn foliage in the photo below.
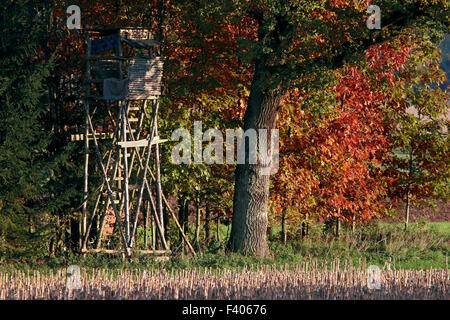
(349, 147)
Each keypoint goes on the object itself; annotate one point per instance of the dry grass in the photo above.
(304, 281)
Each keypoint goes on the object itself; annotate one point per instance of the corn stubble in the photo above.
(303, 281)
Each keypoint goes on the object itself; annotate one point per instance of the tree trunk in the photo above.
(304, 229)
(408, 188)
(166, 225)
(146, 211)
(181, 202)
(186, 218)
(251, 191)
(283, 227)
(197, 222)
(152, 219)
(407, 209)
(338, 227)
(352, 224)
(207, 227)
(218, 227)
(74, 234)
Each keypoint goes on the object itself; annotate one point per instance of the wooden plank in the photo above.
(144, 78)
(135, 34)
(140, 143)
(153, 96)
(133, 144)
(105, 178)
(156, 140)
(149, 96)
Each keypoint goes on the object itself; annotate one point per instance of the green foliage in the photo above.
(24, 167)
(423, 246)
(419, 126)
(33, 159)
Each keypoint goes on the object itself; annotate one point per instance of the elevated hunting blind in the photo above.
(121, 123)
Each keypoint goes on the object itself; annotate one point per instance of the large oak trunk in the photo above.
(251, 192)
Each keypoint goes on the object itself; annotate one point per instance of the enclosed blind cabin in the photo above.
(122, 176)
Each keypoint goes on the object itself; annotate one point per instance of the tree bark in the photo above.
(153, 226)
(207, 226)
(146, 211)
(166, 225)
(181, 202)
(408, 188)
(407, 206)
(338, 228)
(186, 218)
(251, 192)
(197, 221)
(304, 229)
(74, 234)
(218, 227)
(283, 227)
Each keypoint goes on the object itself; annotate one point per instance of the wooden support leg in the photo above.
(87, 231)
(110, 194)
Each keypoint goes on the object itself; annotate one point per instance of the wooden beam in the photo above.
(105, 178)
(140, 143)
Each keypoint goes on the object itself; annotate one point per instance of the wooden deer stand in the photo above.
(123, 86)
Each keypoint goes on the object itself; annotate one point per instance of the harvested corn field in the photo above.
(305, 281)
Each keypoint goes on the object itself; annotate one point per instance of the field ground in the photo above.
(319, 266)
(304, 281)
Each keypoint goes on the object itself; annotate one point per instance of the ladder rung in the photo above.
(133, 119)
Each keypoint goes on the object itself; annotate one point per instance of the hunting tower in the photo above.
(123, 83)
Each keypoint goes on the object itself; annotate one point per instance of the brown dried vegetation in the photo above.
(308, 280)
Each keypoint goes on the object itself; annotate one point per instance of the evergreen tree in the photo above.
(25, 167)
